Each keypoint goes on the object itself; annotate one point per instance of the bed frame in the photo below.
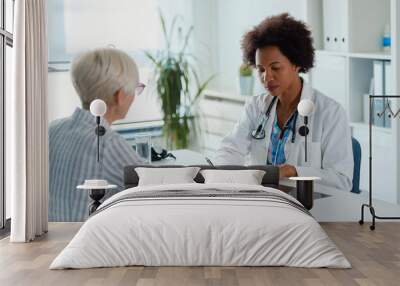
(270, 179)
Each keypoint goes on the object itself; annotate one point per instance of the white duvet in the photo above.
(200, 231)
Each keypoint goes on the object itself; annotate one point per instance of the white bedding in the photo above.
(200, 231)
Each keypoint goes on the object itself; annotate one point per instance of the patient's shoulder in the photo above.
(58, 124)
(114, 139)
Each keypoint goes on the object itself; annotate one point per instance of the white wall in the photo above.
(205, 44)
(218, 29)
(234, 18)
(96, 23)
(63, 99)
(76, 26)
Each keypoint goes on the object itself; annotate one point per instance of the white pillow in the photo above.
(248, 177)
(165, 176)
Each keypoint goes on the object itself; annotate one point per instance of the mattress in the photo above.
(201, 225)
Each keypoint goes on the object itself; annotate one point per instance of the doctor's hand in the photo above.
(286, 171)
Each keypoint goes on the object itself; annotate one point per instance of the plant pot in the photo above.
(246, 84)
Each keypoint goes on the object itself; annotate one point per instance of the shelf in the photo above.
(213, 94)
(373, 56)
(363, 125)
(137, 125)
(363, 55)
(332, 53)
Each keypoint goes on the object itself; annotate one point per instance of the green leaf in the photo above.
(200, 86)
(178, 87)
(186, 42)
(172, 27)
(153, 59)
(164, 29)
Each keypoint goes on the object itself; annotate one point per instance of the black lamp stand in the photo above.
(391, 114)
(303, 131)
(100, 131)
(305, 193)
(97, 194)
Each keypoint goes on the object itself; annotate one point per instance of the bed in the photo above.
(201, 224)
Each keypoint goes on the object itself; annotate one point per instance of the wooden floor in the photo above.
(375, 257)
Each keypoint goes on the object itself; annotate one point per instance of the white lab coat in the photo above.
(330, 154)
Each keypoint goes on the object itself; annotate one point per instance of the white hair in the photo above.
(99, 73)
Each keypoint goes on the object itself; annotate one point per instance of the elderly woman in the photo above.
(280, 48)
(110, 75)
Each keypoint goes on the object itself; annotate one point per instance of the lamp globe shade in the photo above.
(305, 107)
(98, 107)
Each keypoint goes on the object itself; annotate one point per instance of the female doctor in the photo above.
(280, 48)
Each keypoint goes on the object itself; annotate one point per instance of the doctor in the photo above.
(280, 48)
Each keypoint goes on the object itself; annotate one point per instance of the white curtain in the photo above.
(26, 117)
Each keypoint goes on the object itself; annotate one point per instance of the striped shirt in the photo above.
(73, 159)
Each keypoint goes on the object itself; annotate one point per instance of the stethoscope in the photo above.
(259, 132)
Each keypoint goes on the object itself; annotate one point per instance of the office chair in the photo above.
(357, 165)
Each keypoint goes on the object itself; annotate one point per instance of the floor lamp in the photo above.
(371, 113)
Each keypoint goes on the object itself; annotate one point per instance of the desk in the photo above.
(345, 206)
(187, 157)
(183, 157)
(339, 206)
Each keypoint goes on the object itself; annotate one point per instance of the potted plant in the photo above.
(246, 80)
(178, 87)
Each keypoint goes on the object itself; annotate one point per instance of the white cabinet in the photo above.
(384, 164)
(330, 77)
(354, 25)
(335, 33)
(344, 69)
(219, 112)
(367, 20)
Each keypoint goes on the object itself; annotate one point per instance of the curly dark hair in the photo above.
(291, 36)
